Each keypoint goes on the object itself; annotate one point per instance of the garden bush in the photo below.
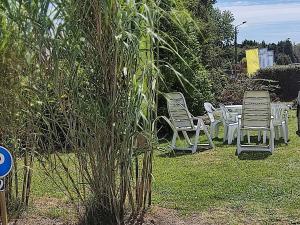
(283, 80)
(185, 72)
(219, 80)
(233, 91)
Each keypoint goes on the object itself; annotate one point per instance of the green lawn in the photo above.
(258, 188)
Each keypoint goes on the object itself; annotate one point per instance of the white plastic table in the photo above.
(236, 110)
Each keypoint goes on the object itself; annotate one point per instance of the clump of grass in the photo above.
(14, 132)
(90, 89)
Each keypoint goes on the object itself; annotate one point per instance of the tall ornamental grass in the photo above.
(91, 76)
(15, 131)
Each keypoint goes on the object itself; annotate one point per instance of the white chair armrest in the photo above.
(167, 120)
(197, 117)
(239, 119)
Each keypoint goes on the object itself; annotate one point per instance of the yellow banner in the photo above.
(252, 61)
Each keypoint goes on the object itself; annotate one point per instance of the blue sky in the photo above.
(269, 20)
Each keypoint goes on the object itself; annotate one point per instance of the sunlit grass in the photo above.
(261, 186)
(258, 187)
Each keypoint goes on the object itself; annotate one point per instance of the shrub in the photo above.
(283, 59)
(286, 78)
(184, 73)
(219, 80)
(196, 90)
(233, 91)
(200, 93)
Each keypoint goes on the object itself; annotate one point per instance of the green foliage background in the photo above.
(285, 52)
(284, 79)
(204, 42)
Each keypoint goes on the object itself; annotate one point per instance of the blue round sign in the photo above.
(6, 162)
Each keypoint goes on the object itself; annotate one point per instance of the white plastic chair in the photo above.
(214, 124)
(280, 121)
(230, 124)
(256, 115)
(183, 121)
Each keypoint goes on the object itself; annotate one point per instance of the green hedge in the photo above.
(284, 81)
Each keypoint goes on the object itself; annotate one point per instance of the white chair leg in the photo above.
(186, 137)
(272, 145)
(287, 132)
(259, 136)
(194, 149)
(248, 135)
(217, 128)
(264, 137)
(276, 129)
(175, 134)
(272, 139)
(280, 134)
(212, 130)
(211, 144)
(283, 127)
(242, 135)
(225, 133)
(230, 134)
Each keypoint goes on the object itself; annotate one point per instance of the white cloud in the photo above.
(235, 3)
(264, 13)
(269, 20)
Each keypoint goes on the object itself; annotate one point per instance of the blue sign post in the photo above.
(6, 162)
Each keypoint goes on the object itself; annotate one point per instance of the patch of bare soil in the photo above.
(47, 211)
(51, 211)
(242, 215)
(32, 220)
(218, 216)
(163, 216)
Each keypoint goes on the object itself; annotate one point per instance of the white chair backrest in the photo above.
(210, 111)
(278, 111)
(256, 110)
(178, 111)
(227, 118)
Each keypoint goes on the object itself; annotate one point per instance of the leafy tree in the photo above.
(190, 76)
(217, 33)
(250, 43)
(205, 45)
(283, 59)
(297, 52)
(286, 47)
(284, 51)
